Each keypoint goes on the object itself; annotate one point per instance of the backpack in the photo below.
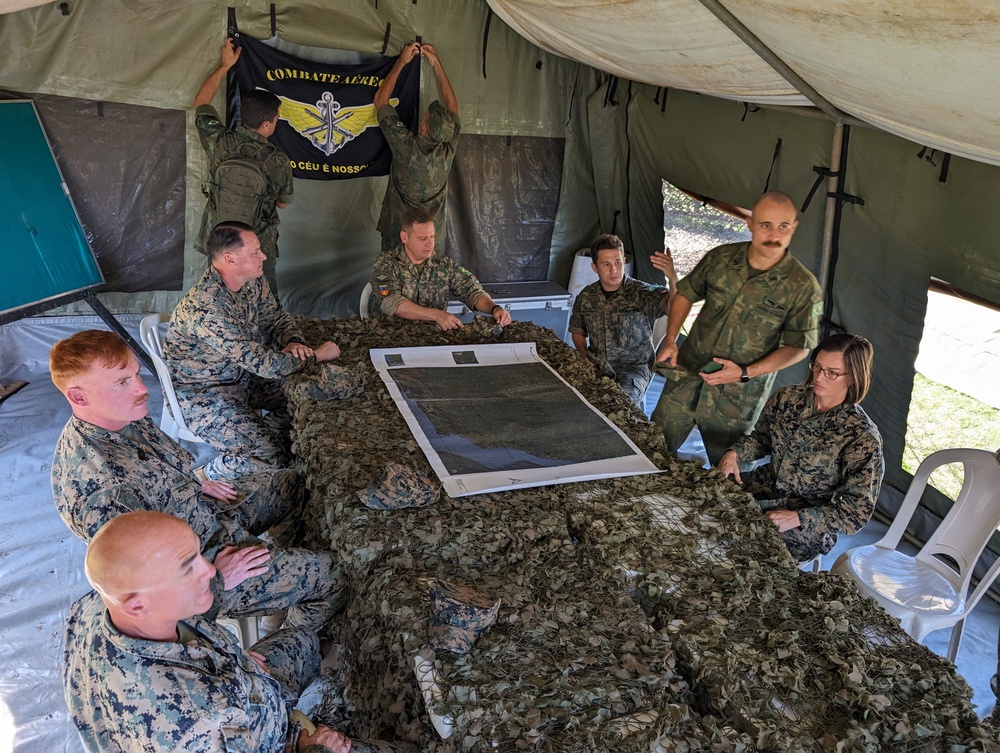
(238, 189)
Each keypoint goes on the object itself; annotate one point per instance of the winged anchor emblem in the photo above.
(327, 125)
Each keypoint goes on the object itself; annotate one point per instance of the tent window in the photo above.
(695, 224)
(955, 402)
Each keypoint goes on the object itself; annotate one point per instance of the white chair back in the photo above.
(366, 295)
(929, 591)
(172, 420)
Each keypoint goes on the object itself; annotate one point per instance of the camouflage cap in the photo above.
(400, 486)
(458, 616)
(327, 381)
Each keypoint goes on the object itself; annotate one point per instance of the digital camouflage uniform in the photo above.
(204, 695)
(223, 349)
(619, 331)
(826, 466)
(219, 141)
(418, 178)
(432, 284)
(743, 319)
(99, 474)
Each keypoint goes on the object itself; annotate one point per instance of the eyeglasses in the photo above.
(830, 374)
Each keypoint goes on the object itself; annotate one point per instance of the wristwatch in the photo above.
(744, 377)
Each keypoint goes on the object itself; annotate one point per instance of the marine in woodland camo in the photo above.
(98, 474)
(619, 331)
(201, 694)
(827, 466)
(744, 318)
(224, 351)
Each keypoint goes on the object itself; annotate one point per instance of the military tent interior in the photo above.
(573, 114)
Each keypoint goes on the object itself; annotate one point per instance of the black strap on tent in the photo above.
(614, 222)
(945, 161)
(274, 22)
(774, 158)
(385, 38)
(945, 164)
(232, 30)
(840, 198)
(747, 109)
(628, 170)
(611, 92)
(656, 97)
(821, 174)
(486, 36)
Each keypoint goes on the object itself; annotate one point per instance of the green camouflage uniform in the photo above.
(223, 349)
(99, 474)
(744, 319)
(219, 141)
(826, 466)
(432, 284)
(418, 178)
(619, 331)
(202, 695)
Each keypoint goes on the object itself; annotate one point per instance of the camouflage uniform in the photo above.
(619, 330)
(223, 349)
(98, 474)
(202, 695)
(826, 466)
(744, 319)
(418, 178)
(219, 141)
(395, 278)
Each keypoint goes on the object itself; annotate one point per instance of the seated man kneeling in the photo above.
(826, 454)
(142, 671)
(412, 282)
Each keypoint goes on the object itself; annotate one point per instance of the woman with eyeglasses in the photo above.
(826, 453)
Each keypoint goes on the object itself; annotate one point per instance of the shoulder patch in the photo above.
(817, 309)
(463, 270)
(382, 277)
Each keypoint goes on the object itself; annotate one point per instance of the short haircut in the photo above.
(77, 354)
(257, 106)
(778, 197)
(858, 357)
(224, 237)
(414, 216)
(605, 242)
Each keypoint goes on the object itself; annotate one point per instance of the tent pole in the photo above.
(751, 39)
(833, 186)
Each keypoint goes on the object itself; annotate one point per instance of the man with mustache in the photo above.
(112, 459)
(761, 315)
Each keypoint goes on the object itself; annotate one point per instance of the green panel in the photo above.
(45, 250)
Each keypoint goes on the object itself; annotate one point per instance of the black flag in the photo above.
(327, 126)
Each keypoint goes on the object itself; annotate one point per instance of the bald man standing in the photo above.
(142, 671)
(761, 315)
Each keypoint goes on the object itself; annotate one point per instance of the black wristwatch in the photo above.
(495, 307)
(744, 376)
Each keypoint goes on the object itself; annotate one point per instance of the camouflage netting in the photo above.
(642, 613)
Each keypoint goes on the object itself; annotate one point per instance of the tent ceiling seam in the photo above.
(767, 54)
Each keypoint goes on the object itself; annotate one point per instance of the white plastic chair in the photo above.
(366, 295)
(812, 566)
(928, 592)
(172, 420)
